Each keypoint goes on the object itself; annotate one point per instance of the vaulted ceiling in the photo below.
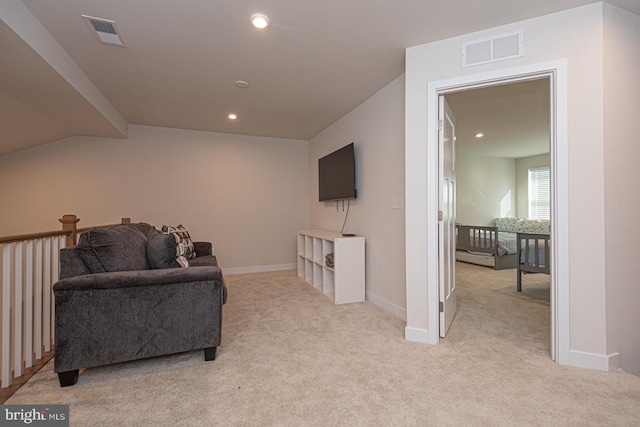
(317, 61)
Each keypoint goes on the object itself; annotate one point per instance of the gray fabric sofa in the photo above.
(122, 296)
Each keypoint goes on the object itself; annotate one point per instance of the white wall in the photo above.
(377, 128)
(485, 189)
(522, 180)
(622, 175)
(576, 36)
(247, 195)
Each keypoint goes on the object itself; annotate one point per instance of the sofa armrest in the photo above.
(140, 278)
(203, 248)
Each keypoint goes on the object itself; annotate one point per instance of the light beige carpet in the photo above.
(289, 357)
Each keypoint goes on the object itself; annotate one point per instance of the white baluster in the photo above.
(46, 297)
(17, 310)
(55, 274)
(37, 309)
(7, 258)
(28, 306)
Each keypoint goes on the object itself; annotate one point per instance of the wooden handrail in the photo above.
(23, 237)
(69, 229)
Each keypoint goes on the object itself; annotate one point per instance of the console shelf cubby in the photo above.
(345, 281)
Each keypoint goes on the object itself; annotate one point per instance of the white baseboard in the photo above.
(416, 335)
(387, 306)
(258, 269)
(600, 362)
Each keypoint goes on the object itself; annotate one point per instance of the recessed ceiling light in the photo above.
(232, 116)
(259, 20)
(242, 84)
(479, 135)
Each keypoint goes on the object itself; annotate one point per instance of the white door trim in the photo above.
(557, 71)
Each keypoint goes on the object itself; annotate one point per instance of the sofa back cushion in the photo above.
(121, 248)
(71, 264)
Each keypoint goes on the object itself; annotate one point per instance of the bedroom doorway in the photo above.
(421, 190)
(556, 72)
(502, 135)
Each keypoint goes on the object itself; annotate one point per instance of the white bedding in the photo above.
(507, 243)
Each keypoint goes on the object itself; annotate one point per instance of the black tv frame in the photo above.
(337, 175)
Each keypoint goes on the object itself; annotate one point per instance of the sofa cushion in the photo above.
(203, 248)
(71, 264)
(161, 249)
(121, 248)
(203, 261)
(143, 226)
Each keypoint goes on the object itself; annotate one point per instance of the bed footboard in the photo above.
(534, 252)
(477, 238)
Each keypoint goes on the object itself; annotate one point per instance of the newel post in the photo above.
(69, 224)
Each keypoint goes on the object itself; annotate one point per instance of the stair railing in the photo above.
(29, 267)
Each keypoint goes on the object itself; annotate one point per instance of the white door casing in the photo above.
(422, 279)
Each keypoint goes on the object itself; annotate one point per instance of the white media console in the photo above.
(344, 282)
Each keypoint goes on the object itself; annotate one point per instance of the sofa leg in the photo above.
(68, 378)
(210, 353)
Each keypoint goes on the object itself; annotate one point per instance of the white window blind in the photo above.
(539, 193)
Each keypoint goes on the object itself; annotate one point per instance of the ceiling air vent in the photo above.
(496, 48)
(105, 30)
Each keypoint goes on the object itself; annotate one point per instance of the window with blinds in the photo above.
(539, 193)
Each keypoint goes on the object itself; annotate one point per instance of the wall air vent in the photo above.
(106, 31)
(496, 48)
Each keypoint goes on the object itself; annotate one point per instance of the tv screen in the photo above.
(337, 175)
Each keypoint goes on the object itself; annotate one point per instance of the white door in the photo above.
(447, 216)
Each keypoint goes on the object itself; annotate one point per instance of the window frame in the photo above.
(539, 182)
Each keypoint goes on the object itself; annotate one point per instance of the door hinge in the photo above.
(441, 307)
(440, 215)
(440, 124)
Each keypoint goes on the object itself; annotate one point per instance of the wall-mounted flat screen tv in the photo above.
(337, 174)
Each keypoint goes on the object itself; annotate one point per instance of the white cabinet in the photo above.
(344, 282)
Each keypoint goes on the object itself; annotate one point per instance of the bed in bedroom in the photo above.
(535, 255)
(486, 246)
(498, 246)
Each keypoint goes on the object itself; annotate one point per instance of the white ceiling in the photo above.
(317, 61)
(514, 119)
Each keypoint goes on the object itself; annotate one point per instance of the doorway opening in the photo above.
(422, 192)
(502, 146)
